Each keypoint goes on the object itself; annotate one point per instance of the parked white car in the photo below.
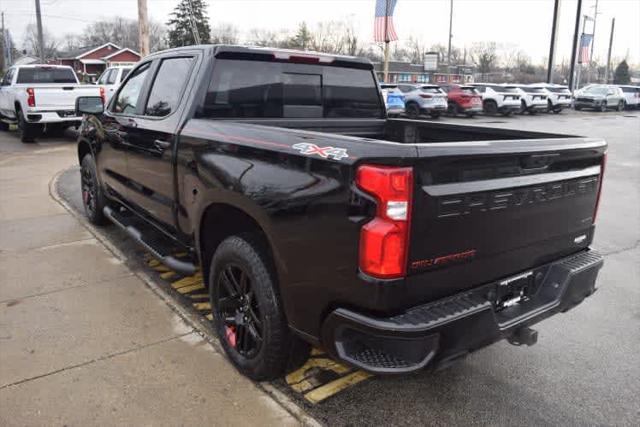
(558, 96)
(111, 79)
(496, 98)
(41, 97)
(631, 96)
(423, 99)
(532, 99)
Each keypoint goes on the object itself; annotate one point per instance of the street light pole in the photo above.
(143, 28)
(606, 73)
(40, 36)
(552, 47)
(584, 26)
(574, 49)
(450, 33)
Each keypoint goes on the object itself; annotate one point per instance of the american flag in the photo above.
(585, 42)
(383, 30)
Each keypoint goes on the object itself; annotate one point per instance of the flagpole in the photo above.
(584, 27)
(386, 41)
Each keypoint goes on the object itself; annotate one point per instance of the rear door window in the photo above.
(245, 88)
(43, 75)
(168, 85)
(125, 73)
(111, 78)
(128, 96)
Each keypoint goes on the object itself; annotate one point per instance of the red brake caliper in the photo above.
(230, 332)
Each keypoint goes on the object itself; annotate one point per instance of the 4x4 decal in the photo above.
(324, 152)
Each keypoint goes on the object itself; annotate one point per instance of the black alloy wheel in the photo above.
(237, 310)
(92, 197)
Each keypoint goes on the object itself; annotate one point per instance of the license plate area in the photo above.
(514, 290)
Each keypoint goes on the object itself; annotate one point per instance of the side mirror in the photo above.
(89, 105)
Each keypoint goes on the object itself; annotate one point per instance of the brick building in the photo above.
(90, 61)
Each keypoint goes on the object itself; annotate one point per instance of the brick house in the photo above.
(90, 61)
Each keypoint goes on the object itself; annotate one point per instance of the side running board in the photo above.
(161, 254)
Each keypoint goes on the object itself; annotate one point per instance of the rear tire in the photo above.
(27, 131)
(412, 111)
(523, 107)
(452, 109)
(248, 315)
(620, 106)
(490, 107)
(603, 106)
(93, 198)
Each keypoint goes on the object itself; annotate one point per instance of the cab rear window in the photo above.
(246, 89)
(45, 75)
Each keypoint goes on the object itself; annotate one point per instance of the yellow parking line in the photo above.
(187, 289)
(202, 306)
(187, 281)
(329, 389)
(209, 316)
(199, 296)
(168, 275)
(321, 363)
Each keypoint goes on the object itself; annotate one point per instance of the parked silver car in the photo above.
(423, 99)
(601, 98)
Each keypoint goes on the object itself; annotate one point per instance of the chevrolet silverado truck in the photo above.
(393, 244)
(41, 98)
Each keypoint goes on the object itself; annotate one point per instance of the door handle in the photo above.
(132, 123)
(161, 145)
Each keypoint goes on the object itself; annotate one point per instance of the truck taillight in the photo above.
(384, 241)
(31, 97)
(600, 180)
(102, 96)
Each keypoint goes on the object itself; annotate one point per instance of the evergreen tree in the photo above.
(180, 24)
(303, 37)
(621, 76)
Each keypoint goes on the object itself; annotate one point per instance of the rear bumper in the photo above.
(437, 333)
(57, 116)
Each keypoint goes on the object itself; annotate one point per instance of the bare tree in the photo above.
(124, 33)
(30, 42)
(484, 56)
(225, 33)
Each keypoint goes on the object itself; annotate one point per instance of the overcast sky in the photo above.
(525, 23)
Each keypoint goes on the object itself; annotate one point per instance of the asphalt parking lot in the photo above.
(584, 369)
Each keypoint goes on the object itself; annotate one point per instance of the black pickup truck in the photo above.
(392, 244)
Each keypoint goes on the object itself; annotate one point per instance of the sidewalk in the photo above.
(83, 341)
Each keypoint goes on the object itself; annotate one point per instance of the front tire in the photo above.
(249, 319)
(603, 107)
(620, 106)
(93, 198)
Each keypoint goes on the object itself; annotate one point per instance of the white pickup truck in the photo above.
(41, 98)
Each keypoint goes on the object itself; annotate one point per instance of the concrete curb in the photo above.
(190, 319)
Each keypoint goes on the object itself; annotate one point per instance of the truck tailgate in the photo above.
(486, 210)
(62, 97)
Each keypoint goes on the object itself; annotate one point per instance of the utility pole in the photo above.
(584, 27)
(143, 28)
(606, 73)
(554, 37)
(574, 49)
(450, 34)
(40, 36)
(2, 47)
(385, 72)
(593, 37)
